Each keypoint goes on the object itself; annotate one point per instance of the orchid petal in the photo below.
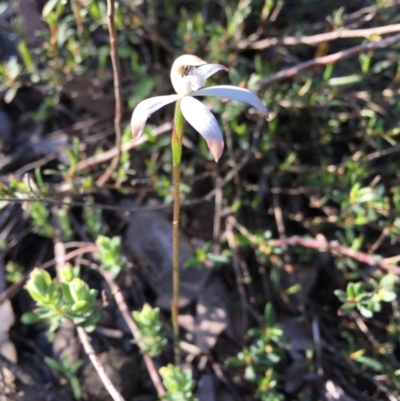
(200, 74)
(202, 120)
(206, 70)
(234, 93)
(145, 109)
(189, 73)
(182, 77)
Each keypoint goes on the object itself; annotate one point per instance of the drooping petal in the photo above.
(207, 70)
(234, 93)
(202, 120)
(200, 74)
(145, 109)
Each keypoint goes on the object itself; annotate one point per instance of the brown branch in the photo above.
(117, 94)
(332, 246)
(342, 33)
(87, 346)
(330, 59)
(126, 315)
(105, 156)
(335, 248)
(59, 248)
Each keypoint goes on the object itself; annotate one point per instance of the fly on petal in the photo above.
(189, 73)
(209, 69)
(182, 74)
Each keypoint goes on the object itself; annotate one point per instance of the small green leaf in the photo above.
(30, 318)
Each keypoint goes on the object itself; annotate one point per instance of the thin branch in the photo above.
(335, 248)
(59, 248)
(332, 246)
(105, 156)
(342, 33)
(117, 93)
(87, 346)
(126, 315)
(330, 59)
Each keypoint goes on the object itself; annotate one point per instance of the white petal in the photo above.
(182, 77)
(234, 93)
(207, 70)
(202, 120)
(198, 77)
(145, 109)
(189, 73)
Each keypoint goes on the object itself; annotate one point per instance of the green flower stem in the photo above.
(176, 166)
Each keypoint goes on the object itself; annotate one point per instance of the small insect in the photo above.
(187, 70)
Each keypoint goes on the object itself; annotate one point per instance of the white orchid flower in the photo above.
(188, 75)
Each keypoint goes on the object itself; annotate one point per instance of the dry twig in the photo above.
(332, 246)
(330, 59)
(335, 248)
(126, 315)
(59, 249)
(342, 33)
(87, 346)
(103, 157)
(117, 93)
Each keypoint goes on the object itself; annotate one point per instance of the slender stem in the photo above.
(175, 263)
(176, 144)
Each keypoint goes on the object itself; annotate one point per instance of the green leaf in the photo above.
(49, 7)
(364, 311)
(30, 318)
(371, 363)
(347, 80)
(52, 363)
(388, 296)
(340, 294)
